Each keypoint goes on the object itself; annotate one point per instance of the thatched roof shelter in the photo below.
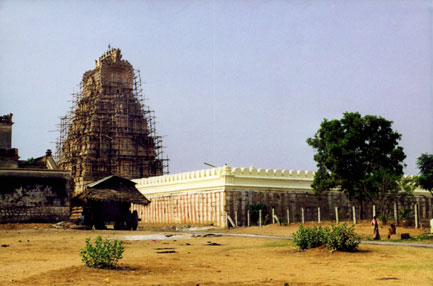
(112, 189)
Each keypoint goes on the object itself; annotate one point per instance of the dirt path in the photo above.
(46, 256)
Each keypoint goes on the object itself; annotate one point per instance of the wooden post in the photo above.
(229, 219)
(318, 215)
(273, 215)
(395, 214)
(354, 214)
(236, 218)
(416, 216)
(336, 215)
(288, 215)
(248, 218)
(302, 215)
(260, 218)
(374, 210)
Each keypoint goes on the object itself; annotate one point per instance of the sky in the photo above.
(242, 83)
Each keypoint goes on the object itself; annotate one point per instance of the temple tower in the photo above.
(109, 130)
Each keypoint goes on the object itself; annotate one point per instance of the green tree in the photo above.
(357, 155)
(391, 188)
(425, 166)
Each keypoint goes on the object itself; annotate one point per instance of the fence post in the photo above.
(229, 220)
(318, 215)
(273, 215)
(302, 215)
(336, 215)
(416, 216)
(236, 218)
(248, 218)
(260, 218)
(354, 214)
(288, 216)
(395, 214)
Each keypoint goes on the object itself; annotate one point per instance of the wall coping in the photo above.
(226, 177)
(39, 173)
(227, 171)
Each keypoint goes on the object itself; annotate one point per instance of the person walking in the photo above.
(376, 235)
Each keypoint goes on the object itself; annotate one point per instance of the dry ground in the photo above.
(40, 255)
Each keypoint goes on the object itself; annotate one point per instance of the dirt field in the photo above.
(41, 255)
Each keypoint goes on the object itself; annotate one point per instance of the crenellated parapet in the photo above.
(273, 173)
(223, 178)
(228, 171)
(227, 177)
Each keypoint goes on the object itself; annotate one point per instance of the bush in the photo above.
(104, 254)
(342, 238)
(254, 213)
(338, 237)
(306, 237)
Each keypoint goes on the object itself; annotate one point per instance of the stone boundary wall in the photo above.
(184, 197)
(240, 200)
(210, 208)
(28, 195)
(33, 214)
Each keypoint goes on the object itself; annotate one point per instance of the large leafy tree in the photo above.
(425, 166)
(357, 155)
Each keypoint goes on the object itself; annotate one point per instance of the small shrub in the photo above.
(342, 238)
(310, 237)
(338, 237)
(282, 220)
(104, 254)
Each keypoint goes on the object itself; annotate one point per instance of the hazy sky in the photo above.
(237, 82)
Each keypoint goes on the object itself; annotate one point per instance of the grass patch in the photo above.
(423, 237)
(275, 243)
(407, 267)
(238, 248)
(278, 243)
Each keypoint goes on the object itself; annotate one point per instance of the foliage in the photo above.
(406, 199)
(29, 162)
(342, 238)
(104, 254)
(282, 220)
(425, 166)
(338, 237)
(310, 237)
(384, 217)
(391, 191)
(254, 213)
(422, 237)
(357, 155)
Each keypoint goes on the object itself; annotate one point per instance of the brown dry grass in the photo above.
(47, 256)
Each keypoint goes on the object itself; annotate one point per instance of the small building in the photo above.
(33, 190)
(8, 155)
(108, 201)
(211, 196)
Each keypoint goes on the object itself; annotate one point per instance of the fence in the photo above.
(263, 217)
